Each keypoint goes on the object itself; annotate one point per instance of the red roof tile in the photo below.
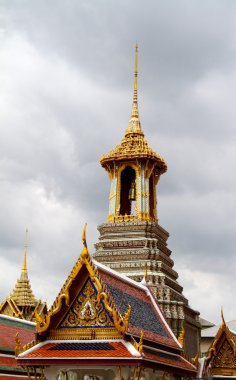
(168, 359)
(49, 350)
(8, 361)
(8, 333)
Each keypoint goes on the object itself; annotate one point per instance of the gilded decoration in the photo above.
(87, 311)
(222, 354)
(225, 357)
(92, 307)
(133, 146)
(135, 152)
(21, 303)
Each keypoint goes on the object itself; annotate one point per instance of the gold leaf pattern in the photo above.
(87, 311)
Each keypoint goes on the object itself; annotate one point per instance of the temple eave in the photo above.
(109, 159)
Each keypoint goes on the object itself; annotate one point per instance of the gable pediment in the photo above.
(224, 357)
(83, 308)
(222, 354)
(86, 311)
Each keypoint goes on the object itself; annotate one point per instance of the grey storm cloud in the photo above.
(66, 73)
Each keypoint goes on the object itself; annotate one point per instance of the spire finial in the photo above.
(222, 316)
(135, 95)
(134, 123)
(24, 266)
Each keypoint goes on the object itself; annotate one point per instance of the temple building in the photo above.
(103, 326)
(21, 303)
(220, 359)
(132, 241)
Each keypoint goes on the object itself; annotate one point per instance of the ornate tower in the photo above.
(21, 303)
(134, 170)
(132, 242)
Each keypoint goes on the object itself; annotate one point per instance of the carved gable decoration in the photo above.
(225, 357)
(86, 311)
(221, 359)
(84, 307)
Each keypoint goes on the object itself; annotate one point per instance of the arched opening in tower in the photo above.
(151, 197)
(127, 191)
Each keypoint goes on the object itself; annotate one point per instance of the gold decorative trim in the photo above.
(222, 353)
(84, 334)
(139, 346)
(18, 344)
(121, 323)
(181, 337)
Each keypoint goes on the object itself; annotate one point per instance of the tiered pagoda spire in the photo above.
(22, 294)
(22, 303)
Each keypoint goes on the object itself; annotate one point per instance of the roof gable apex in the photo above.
(222, 353)
(83, 307)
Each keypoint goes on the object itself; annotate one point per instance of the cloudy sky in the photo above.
(66, 76)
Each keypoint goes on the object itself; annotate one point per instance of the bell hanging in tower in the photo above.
(132, 192)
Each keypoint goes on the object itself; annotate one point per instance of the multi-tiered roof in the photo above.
(21, 303)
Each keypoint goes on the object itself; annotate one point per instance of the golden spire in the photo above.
(134, 123)
(135, 95)
(22, 293)
(24, 265)
(21, 303)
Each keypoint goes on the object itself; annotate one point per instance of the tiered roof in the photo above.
(22, 294)
(22, 303)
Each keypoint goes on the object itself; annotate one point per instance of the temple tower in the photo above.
(21, 303)
(132, 242)
(134, 170)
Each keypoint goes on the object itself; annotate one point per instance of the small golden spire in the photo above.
(135, 95)
(24, 266)
(134, 123)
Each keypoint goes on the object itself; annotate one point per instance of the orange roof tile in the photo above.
(56, 350)
(168, 359)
